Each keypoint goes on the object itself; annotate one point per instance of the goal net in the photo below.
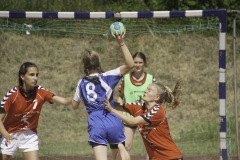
(187, 48)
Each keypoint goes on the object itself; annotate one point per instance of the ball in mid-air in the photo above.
(117, 28)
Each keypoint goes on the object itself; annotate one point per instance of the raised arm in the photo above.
(129, 63)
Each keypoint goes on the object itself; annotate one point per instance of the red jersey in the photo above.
(23, 113)
(156, 135)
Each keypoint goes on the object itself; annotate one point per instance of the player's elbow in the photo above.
(75, 104)
(131, 66)
(74, 107)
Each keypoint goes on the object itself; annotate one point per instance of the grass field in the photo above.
(63, 132)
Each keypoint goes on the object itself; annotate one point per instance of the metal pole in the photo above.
(235, 83)
(235, 79)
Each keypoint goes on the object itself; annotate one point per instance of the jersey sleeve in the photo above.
(8, 99)
(48, 95)
(115, 71)
(112, 77)
(156, 115)
(135, 109)
(77, 96)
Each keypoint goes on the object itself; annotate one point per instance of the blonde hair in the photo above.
(167, 96)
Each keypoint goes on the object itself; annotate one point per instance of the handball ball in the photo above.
(117, 28)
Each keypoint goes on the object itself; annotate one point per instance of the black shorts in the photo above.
(177, 159)
(112, 146)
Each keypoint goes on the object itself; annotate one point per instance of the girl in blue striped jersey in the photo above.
(103, 127)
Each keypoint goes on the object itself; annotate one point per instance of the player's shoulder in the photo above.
(40, 88)
(137, 104)
(155, 110)
(113, 72)
(12, 91)
(154, 80)
(149, 74)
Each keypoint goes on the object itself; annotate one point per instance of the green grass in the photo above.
(192, 56)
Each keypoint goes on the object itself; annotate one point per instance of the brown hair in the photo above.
(142, 56)
(169, 97)
(23, 70)
(91, 61)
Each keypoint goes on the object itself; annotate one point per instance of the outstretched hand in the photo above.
(119, 38)
(107, 105)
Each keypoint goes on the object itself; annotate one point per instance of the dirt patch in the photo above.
(133, 158)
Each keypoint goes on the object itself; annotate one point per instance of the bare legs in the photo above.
(32, 155)
(129, 133)
(5, 157)
(123, 152)
(100, 152)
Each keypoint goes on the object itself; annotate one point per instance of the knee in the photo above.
(128, 146)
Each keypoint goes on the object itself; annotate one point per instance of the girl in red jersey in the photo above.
(131, 89)
(19, 114)
(151, 119)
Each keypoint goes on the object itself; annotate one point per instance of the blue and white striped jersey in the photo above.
(93, 92)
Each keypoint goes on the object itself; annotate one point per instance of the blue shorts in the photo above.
(105, 129)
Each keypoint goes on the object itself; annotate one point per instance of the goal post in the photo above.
(221, 14)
